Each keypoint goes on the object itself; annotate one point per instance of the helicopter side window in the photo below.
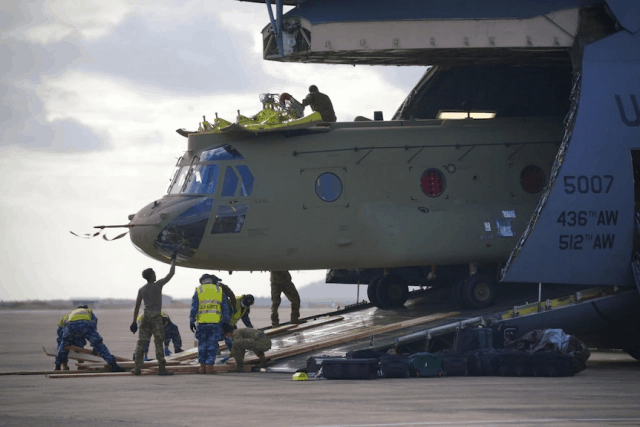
(179, 181)
(229, 219)
(247, 180)
(328, 187)
(230, 185)
(226, 152)
(203, 179)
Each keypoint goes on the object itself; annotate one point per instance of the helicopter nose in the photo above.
(177, 226)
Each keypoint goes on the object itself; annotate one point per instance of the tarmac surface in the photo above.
(605, 394)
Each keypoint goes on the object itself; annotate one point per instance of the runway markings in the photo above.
(493, 422)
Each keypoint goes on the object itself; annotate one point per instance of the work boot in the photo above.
(296, 321)
(202, 369)
(275, 325)
(65, 367)
(116, 368)
(136, 371)
(165, 372)
(179, 350)
(237, 368)
(210, 370)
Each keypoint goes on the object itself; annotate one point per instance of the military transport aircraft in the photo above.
(513, 158)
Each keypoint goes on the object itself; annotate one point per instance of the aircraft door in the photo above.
(324, 188)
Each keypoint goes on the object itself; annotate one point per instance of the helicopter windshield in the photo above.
(203, 179)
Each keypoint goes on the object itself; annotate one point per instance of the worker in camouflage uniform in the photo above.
(210, 309)
(321, 103)
(171, 333)
(152, 322)
(281, 284)
(61, 325)
(247, 339)
(81, 325)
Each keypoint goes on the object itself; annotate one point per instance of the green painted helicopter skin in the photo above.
(382, 215)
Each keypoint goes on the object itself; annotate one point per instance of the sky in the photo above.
(92, 93)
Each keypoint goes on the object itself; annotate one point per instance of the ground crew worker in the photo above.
(228, 293)
(171, 333)
(81, 325)
(281, 283)
(321, 103)
(61, 325)
(209, 308)
(241, 311)
(247, 339)
(152, 323)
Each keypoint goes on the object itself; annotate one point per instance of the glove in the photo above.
(167, 352)
(192, 326)
(133, 328)
(224, 360)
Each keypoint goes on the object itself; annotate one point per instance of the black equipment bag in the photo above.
(466, 340)
(393, 366)
(485, 362)
(349, 369)
(485, 337)
(453, 363)
(365, 354)
(314, 363)
(514, 363)
(552, 364)
(425, 365)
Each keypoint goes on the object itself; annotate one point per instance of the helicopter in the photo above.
(513, 159)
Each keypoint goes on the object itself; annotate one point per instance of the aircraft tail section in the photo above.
(583, 228)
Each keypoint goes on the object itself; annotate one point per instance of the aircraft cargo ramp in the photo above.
(429, 324)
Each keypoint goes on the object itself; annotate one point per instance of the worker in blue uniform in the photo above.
(81, 324)
(171, 333)
(210, 309)
(61, 325)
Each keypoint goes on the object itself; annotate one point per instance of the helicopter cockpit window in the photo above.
(230, 184)
(179, 180)
(229, 219)
(226, 152)
(203, 179)
(328, 187)
(247, 180)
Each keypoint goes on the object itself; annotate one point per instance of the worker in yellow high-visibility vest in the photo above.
(81, 324)
(209, 308)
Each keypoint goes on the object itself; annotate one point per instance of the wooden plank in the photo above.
(192, 353)
(73, 355)
(100, 374)
(349, 336)
(40, 373)
(87, 351)
(131, 364)
(273, 331)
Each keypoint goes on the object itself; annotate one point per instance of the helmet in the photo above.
(227, 328)
(248, 300)
(215, 278)
(204, 277)
(313, 88)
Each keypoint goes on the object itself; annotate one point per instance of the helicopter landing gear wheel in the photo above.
(372, 290)
(392, 291)
(479, 291)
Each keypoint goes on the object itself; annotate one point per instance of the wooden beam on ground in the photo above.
(39, 373)
(131, 364)
(349, 336)
(74, 355)
(87, 351)
(99, 374)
